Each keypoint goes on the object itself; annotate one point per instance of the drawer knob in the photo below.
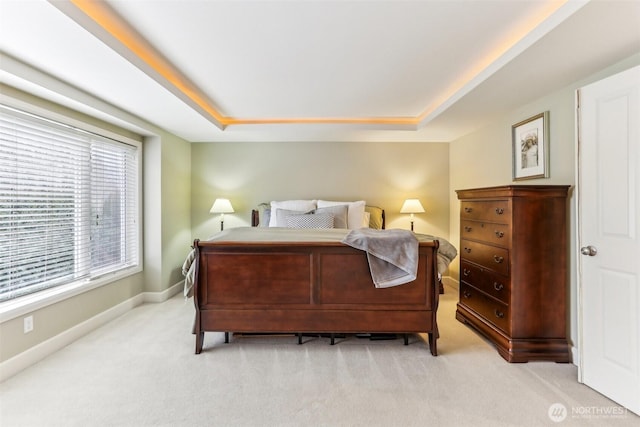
(498, 259)
(499, 211)
(467, 210)
(498, 313)
(467, 250)
(499, 234)
(498, 286)
(466, 272)
(467, 228)
(466, 294)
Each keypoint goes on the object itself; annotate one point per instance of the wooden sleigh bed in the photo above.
(307, 287)
(262, 283)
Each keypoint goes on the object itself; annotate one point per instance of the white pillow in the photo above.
(292, 205)
(355, 211)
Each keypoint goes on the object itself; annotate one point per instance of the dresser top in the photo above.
(515, 191)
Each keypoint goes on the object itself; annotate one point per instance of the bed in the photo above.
(306, 281)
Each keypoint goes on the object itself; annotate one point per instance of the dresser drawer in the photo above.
(491, 210)
(490, 283)
(486, 231)
(494, 311)
(491, 257)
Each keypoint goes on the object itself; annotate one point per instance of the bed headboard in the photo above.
(255, 218)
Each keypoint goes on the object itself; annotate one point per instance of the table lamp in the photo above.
(221, 206)
(412, 206)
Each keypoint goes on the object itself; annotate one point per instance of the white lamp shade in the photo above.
(221, 206)
(412, 206)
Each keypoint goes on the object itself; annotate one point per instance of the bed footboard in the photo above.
(308, 288)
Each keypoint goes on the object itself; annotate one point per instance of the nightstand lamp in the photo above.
(221, 206)
(412, 206)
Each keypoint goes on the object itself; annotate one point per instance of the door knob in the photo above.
(588, 250)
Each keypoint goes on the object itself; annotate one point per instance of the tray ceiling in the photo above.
(312, 70)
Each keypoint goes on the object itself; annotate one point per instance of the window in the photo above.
(69, 204)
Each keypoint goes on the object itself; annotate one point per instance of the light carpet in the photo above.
(141, 370)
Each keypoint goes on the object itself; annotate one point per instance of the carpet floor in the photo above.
(140, 370)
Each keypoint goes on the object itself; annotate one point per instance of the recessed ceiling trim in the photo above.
(327, 120)
(529, 33)
(147, 58)
(104, 22)
(133, 47)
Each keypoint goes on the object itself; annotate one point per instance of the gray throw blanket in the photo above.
(189, 273)
(446, 251)
(392, 254)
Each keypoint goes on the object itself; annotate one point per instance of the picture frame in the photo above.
(530, 144)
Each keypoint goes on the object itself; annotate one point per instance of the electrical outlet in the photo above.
(28, 324)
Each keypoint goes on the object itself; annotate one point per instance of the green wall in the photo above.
(383, 174)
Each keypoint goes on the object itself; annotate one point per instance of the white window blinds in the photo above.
(68, 204)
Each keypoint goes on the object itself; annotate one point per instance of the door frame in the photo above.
(578, 240)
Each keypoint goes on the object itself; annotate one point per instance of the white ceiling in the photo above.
(315, 70)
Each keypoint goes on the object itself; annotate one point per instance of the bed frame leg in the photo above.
(226, 337)
(299, 338)
(433, 336)
(333, 338)
(199, 341)
(406, 339)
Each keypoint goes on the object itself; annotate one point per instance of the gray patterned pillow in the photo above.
(310, 221)
(283, 214)
(339, 213)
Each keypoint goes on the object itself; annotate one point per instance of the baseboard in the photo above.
(450, 283)
(29, 357)
(157, 297)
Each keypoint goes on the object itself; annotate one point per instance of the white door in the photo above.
(608, 228)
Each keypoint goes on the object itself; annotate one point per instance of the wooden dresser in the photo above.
(513, 269)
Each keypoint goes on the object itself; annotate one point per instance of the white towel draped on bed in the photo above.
(392, 254)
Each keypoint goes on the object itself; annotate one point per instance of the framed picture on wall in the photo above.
(530, 141)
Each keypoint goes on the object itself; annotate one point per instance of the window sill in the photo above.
(29, 303)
